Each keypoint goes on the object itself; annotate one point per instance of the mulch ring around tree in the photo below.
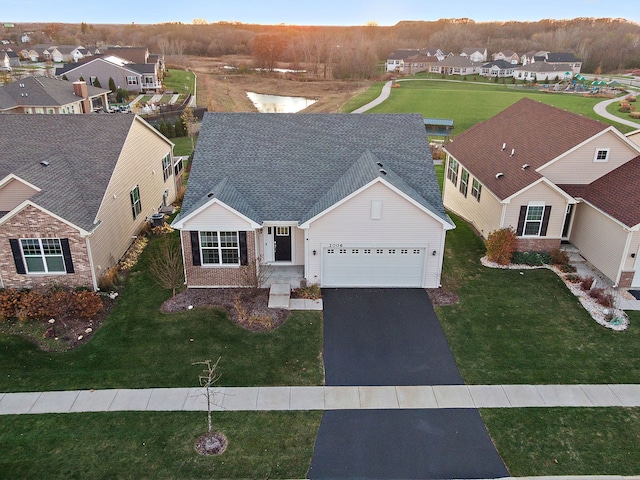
(247, 307)
(211, 443)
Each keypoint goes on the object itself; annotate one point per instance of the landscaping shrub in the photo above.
(601, 296)
(531, 258)
(573, 278)
(567, 268)
(559, 257)
(311, 292)
(500, 245)
(586, 283)
(28, 305)
(635, 114)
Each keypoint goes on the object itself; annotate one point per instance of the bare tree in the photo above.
(166, 266)
(207, 379)
(191, 122)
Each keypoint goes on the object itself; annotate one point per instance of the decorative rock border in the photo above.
(598, 312)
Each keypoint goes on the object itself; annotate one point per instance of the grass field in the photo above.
(155, 445)
(179, 81)
(469, 103)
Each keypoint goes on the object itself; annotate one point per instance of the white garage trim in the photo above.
(374, 266)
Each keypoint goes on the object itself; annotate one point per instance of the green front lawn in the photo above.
(140, 347)
(566, 441)
(526, 327)
(156, 445)
(470, 103)
(358, 101)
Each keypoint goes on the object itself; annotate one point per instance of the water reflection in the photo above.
(278, 104)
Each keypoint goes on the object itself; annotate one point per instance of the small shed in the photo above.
(438, 127)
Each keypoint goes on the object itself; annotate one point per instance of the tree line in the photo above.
(610, 45)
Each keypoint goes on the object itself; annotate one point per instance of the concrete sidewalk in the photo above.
(322, 398)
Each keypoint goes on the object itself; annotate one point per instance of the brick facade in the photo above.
(218, 276)
(537, 244)
(625, 279)
(33, 223)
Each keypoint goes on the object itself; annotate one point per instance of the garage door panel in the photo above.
(373, 267)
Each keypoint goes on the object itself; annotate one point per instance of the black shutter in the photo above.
(523, 216)
(17, 256)
(545, 221)
(195, 248)
(66, 254)
(242, 241)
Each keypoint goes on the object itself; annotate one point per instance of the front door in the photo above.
(282, 244)
(567, 221)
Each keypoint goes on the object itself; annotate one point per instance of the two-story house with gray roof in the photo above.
(337, 200)
(561, 178)
(74, 190)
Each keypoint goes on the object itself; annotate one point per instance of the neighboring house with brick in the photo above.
(333, 199)
(135, 77)
(49, 95)
(74, 190)
(553, 176)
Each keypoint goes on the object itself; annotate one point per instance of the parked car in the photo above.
(4, 68)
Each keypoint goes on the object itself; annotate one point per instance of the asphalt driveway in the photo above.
(384, 337)
(393, 337)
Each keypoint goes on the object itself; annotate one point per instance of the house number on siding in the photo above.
(335, 245)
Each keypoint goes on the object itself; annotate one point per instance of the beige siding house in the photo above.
(329, 199)
(75, 189)
(562, 179)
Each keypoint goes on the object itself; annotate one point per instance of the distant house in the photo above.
(74, 190)
(395, 60)
(50, 95)
(475, 54)
(332, 199)
(498, 68)
(543, 72)
(508, 56)
(418, 63)
(130, 76)
(553, 176)
(14, 58)
(456, 66)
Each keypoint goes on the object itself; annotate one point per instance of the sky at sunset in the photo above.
(304, 12)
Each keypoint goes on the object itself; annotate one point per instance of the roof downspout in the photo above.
(503, 214)
(91, 266)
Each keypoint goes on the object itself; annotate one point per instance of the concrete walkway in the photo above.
(601, 109)
(322, 398)
(384, 94)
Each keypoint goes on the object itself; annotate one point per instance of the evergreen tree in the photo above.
(171, 131)
(163, 128)
(81, 78)
(112, 85)
(180, 129)
(96, 83)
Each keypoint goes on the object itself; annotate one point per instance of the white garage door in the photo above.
(373, 267)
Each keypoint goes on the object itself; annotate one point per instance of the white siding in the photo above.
(539, 193)
(578, 166)
(402, 224)
(601, 240)
(216, 217)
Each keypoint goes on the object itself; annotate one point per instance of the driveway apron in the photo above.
(384, 337)
(393, 337)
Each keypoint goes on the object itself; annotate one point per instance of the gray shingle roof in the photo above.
(82, 151)
(42, 92)
(289, 167)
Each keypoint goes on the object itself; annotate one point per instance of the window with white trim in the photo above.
(452, 170)
(220, 248)
(533, 220)
(476, 189)
(464, 182)
(166, 167)
(136, 205)
(602, 155)
(42, 255)
(132, 80)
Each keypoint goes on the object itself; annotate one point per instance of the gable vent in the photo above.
(525, 166)
(499, 174)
